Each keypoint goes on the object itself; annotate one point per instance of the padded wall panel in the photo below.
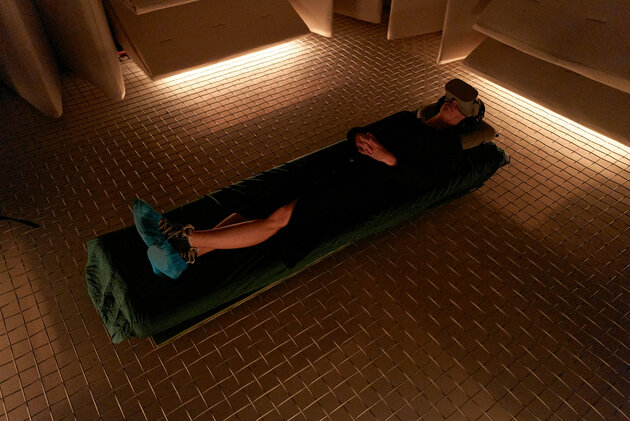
(583, 100)
(180, 38)
(82, 39)
(458, 36)
(317, 14)
(408, 18)
(367, 10)
(591, 37)
(27, 63)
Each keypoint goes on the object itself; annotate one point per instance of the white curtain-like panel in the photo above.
(80, 35)
(36, 35)
(27, 63)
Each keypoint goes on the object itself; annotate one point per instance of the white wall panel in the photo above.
(590, 38)
(140, 7)
(367, 10)
(317, 14)
(408, 18)
(192, 35)
(458, 36)
(583, 100)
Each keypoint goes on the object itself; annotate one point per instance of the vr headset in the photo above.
(467, 99)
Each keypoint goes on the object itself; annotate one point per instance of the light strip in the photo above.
(285, 53)
(555, 118)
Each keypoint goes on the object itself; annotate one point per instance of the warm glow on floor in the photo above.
(267, 58)
(545, 114)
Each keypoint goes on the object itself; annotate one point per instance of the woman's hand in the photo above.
(368, 145)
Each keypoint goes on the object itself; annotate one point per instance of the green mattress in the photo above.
(134, 302)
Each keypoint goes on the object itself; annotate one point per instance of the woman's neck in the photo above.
(437, 123)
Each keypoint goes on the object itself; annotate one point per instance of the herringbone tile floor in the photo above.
(509, 303)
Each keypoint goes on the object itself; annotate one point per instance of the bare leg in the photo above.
(229, 235)
(233, 219)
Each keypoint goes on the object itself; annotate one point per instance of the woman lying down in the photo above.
(384, 160)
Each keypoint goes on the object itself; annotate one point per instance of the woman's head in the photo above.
(450, 113)
(460, 106)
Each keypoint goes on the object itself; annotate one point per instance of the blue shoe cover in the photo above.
(147, 223)
(166, 260)
(157, 271)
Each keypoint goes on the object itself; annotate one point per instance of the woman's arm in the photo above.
(387, 130)
(367, 145)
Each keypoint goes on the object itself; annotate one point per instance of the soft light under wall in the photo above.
(540, 113)
(186, 36)
(590, 103)
(273, 57)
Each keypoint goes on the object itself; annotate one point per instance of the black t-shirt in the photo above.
(356, 186)
(424, 154)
